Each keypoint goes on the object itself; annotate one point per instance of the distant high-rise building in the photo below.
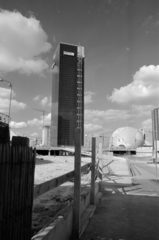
(67, 112)
(46, 136)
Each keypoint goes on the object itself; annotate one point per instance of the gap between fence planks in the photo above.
(55, 182)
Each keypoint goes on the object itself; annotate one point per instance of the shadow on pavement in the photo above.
(126, 213)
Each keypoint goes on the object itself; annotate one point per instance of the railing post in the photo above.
(77, 185)
(100, 163)
(92, 194)
(156, 159)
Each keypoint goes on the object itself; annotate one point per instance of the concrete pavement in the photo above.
(118, 173)
(129, 207)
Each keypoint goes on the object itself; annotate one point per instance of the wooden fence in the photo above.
(76, 174)
(44, 187)
(17, 165)
(96, 168)
(16, 191)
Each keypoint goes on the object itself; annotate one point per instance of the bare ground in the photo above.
(47, 206)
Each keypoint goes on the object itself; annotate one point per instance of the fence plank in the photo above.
(16, 195)
(19, 164)
(10, 192)
(92, 193)
(32, 162)
(1, 195)
(2, 186)
(8, 181)
(55, 182)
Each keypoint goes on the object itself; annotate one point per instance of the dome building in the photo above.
(127, 137)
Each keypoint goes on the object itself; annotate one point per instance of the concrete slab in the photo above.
(117, 180)
(119, 167)
(118, 176)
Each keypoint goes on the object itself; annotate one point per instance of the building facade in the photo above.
(46, 136)
(67, 111)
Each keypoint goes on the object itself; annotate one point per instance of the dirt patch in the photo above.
(47, 206)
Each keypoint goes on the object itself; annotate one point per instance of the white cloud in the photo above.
(88, 98)
(143, 89)
(48, 119)
(15, 105)
(54, 39)
(46, 101)
(147, 124)
(39, 122)
(100, 117)
(92, 127)
(110, 114)
(5, 101)
(35, 122)
(18, 124)
(37, 98)
(34, 134)
(5, 93)
(141, 110)
(18, 105)
(21, 43)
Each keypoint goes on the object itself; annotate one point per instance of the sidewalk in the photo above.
(129, 212)
(118, 174)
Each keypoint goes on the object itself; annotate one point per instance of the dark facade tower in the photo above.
(67, 111)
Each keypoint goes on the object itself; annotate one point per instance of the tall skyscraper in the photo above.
(67, 112)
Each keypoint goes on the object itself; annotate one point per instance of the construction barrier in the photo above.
(17, 165)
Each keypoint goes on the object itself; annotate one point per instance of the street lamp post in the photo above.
(10, 99)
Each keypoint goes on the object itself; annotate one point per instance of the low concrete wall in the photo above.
(61, 227)
(144, 151)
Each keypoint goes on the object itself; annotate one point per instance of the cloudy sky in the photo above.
(121, 40)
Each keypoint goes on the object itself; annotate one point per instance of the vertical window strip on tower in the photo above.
(79, 91)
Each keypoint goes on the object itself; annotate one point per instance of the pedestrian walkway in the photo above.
(127, 211)
(118, 174)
